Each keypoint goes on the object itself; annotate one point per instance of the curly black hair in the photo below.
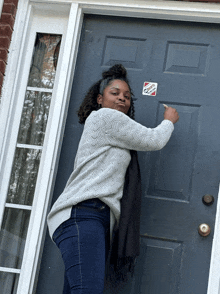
(116, 72)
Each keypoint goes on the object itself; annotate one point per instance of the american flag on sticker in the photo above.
(149, 89)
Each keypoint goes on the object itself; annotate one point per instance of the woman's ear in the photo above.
(99, 99)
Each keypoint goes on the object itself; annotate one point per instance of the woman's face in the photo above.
(116, 96)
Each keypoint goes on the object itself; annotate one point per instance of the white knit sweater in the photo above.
(102, 160)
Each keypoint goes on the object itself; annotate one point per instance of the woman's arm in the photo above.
(121, 131)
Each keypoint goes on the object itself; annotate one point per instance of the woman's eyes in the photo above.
(116, 93)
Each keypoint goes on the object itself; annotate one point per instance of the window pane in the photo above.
(13, 236)
(43, 67)
(34, 118)
(24, 176)
(8, 283)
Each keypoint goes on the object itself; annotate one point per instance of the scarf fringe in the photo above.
(121, 270)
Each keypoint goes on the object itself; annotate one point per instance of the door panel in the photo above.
(184, 59)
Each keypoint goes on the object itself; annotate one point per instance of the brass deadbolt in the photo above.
(208, 199)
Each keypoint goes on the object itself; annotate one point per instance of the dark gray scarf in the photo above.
(126, 237)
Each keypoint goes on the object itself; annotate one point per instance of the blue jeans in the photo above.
(83, 241)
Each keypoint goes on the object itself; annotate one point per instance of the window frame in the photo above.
(71, 14)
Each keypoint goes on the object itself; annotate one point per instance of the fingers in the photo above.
(171, 114)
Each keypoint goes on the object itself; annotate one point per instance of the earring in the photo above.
(99, 106)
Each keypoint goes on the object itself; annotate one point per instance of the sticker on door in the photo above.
(149, 89)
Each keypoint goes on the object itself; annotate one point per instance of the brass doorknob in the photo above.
(208, 199)
(204, 230)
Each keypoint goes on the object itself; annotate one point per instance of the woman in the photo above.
(81, 220)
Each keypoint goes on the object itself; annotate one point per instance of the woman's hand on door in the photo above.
(171, 114)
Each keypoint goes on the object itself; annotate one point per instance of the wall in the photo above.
(6, 28)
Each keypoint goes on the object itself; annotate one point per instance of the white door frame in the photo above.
(169, 10)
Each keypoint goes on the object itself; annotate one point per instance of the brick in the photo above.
(1, 78)
(3, 54)
(15, 2)
(5, 30)
(7, 18)
(4, 42)
(2, 66)
(9, 8)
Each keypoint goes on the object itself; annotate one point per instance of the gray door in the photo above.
(184, 60)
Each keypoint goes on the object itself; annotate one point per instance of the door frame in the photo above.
(167, 10)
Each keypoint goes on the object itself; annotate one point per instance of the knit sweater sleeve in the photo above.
(121, 131)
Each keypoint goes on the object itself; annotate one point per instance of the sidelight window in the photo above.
(27, 159)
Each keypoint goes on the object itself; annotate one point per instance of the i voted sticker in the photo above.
(150, 89)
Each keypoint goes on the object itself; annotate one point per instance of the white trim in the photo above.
(1, 5)
(185, 11)
(39, 89)
(10, 270)
(18, 206)
(55, 23)
(14, 110)
(49, 157)
(171, 10)
(29, 146)
(214, 272)
(9, 100)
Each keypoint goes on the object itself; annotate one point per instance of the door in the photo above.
(184, 60)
